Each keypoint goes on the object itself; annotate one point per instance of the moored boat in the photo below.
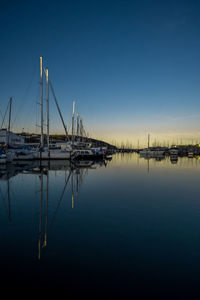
(151, 152)
(173, 151)
(190, 154)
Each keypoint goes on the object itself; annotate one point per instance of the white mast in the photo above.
(77, 126)
(73, 122)
(47, 78)
(10, 108)
(81, 129)
(41, 84)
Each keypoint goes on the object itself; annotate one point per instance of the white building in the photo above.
(14, 139)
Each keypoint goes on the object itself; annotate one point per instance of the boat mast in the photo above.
(73, 122)
(10, 108)
(47, 78)
(77, 126)
(81, 129)
(41, 91)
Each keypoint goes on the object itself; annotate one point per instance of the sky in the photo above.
(132, 67)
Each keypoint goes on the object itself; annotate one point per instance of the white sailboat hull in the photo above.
(55, 154)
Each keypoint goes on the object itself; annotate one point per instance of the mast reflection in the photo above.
(74, 174)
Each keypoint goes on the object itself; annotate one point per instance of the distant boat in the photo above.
(152, 152)
(173, 151)
(190, 154)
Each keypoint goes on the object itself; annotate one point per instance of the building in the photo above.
(14, 139)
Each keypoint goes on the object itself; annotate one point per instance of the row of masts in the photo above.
(79, 130)
(79, 123)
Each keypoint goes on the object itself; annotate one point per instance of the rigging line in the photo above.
(66, 132)
(4, 115)
(25, 95)
(59, 202)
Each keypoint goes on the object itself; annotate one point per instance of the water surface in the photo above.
(128, 227)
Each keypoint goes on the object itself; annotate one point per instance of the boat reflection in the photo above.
(74, 174)
(174, 159)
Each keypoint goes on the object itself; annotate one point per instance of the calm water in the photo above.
(127, 228)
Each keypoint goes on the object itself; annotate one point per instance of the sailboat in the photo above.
(46, 152)
(151, 152)
(19, 152)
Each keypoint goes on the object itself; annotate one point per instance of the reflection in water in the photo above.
(174, 159)
(74, 171)
(137, 224)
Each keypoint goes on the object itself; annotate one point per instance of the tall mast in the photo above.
(47, 78)
(10, 108)
(73, 122)
(81, 129)
(77, 126)
(41, 91)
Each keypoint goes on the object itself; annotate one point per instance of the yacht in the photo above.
(22, 154)
(60, 153)
(190, 154)
(152, 152)
(173, 151)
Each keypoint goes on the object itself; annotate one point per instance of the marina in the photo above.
(13, 147)
(100, 149)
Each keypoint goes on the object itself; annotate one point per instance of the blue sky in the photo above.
(133, 67)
